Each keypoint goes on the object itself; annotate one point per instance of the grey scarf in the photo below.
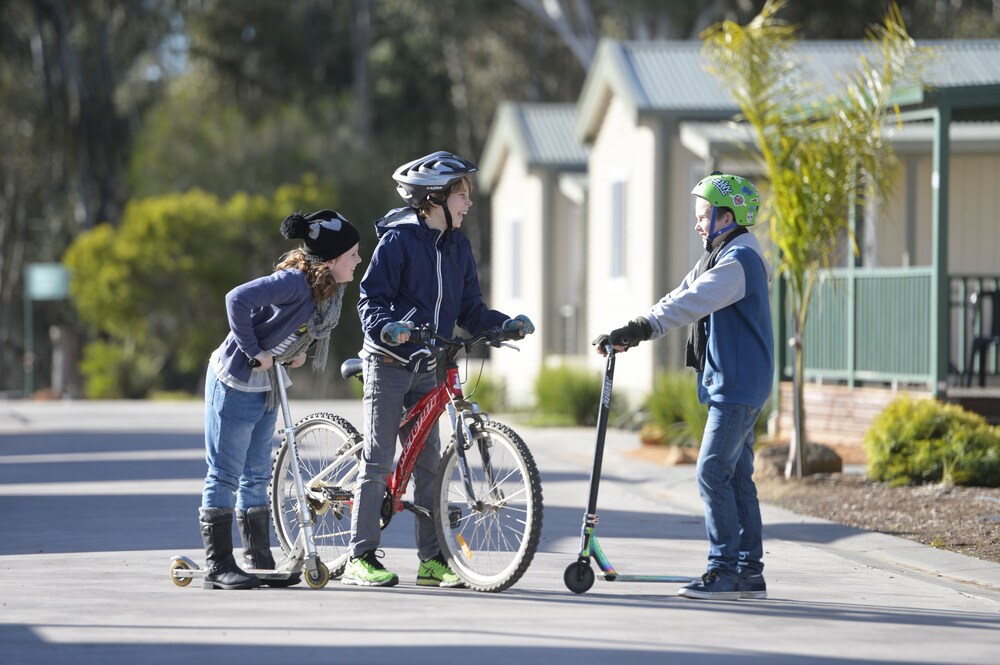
(318, 329)
(697, 341)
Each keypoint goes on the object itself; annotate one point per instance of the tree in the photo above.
(74, 78)
(153, 289)
(820, 159)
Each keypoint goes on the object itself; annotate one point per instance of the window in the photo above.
(618, 230)
(515, 259)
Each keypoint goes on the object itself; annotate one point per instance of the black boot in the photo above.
(255, 530)
(217, 534)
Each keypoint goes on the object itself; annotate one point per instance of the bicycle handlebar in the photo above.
(253, 362)
(495, 336)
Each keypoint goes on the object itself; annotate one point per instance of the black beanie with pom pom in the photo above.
(325, 234)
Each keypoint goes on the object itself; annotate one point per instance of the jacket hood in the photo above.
(397, 219)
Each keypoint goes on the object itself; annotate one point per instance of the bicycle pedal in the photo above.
(337, 494)
(417, 510)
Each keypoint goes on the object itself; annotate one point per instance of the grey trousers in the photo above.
(390, 389)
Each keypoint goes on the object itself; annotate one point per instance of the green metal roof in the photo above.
(548, 135)
(669, 77)
(541, 135)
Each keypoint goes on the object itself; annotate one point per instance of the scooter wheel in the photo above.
(179, 564)
(318, 578)
(578, 577)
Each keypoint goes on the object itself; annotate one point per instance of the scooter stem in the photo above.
(602, 428)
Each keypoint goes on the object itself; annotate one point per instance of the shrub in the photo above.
(674, 408)
(924, 441)
(485, 391)
(114, 372)
(568, 396)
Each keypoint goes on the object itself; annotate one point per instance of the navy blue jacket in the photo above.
(419, 274)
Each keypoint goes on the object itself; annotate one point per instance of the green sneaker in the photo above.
(435, 572)
(367, 570)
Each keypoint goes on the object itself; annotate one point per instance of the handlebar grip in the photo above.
(497, 334)
(421, 335)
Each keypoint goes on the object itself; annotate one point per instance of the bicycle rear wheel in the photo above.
(329, 449)
(489, 538)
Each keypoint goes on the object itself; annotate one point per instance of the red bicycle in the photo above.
(488, 496)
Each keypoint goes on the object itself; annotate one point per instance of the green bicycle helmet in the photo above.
(733, 192)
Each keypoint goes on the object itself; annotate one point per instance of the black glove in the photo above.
(635, 331)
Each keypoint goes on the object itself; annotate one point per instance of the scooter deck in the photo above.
(667, 579)
(608, 573)
(194, 570)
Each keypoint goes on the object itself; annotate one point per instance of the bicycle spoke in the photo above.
(327, 447)
(490, 538)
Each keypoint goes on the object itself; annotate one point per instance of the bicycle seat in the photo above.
(351, 367)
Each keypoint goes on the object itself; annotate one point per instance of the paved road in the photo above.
(96, 497)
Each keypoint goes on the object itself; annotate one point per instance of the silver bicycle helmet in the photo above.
(430, 173)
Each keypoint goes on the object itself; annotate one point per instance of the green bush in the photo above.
(485, 391)
(917, 441)
(674, 408)
(155, 283)
(114, 371)
(568, 396)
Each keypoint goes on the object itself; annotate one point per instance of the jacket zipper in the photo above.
(437, 305)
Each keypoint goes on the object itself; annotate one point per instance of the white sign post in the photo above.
(42, 281)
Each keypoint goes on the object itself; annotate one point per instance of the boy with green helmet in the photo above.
(732, 194)
(725, 303)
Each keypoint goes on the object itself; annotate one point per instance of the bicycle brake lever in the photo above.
(496, 336)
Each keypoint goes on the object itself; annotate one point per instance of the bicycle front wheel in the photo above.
(489, 535)
(329, 450)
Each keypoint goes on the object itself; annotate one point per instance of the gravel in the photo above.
(960, 519)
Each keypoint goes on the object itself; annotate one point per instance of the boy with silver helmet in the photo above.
(422, 271)
(725, 303)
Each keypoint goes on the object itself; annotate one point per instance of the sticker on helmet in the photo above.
(746, 190)
(738, 200)
(722, 186)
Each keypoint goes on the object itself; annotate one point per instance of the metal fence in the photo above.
(874, 325)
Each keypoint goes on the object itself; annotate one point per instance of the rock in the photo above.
(680, 455)
(771, 460)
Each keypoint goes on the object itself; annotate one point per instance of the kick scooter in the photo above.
(579, 576)
(303, 551)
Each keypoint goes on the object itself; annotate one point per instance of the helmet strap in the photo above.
(712, 233)
(444, 206)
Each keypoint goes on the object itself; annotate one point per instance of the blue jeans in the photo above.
(725, 482)
(390, 389)
(239, 434)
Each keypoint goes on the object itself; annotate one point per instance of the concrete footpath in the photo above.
(95, 497)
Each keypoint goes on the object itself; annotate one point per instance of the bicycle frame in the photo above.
(419, 420)
(417, 423)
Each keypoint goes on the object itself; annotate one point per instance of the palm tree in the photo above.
(822, 156)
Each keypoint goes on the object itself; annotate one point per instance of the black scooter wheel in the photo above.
(578, 577)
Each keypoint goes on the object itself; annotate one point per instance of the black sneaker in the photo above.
(713, 585)
(752, 586)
